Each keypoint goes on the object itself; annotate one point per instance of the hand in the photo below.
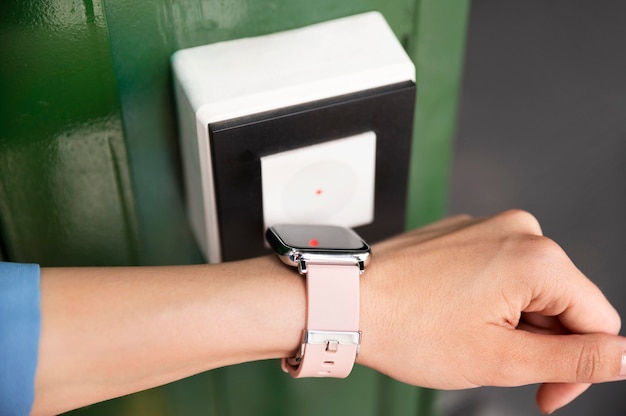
(474, 302)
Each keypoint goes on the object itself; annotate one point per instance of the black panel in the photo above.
(238, 144)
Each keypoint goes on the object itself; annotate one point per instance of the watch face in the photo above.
(315, 238)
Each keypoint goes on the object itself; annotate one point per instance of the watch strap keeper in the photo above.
(331, 339)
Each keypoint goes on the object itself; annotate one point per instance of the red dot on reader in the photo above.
(318, 192)
(313, 243)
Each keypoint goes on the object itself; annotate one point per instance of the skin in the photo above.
(458, 304)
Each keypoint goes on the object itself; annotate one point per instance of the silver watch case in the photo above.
(345, 246)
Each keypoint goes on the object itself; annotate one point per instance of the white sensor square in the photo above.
(328, 183)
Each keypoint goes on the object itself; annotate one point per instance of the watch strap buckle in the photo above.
(335, 350)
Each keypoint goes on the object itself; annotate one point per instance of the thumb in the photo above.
(578, 358)
(566, 364)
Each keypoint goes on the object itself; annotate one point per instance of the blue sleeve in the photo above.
(20, 322)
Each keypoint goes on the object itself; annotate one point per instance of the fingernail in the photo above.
(622, 372)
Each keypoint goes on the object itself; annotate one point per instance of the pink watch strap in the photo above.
(331, 339)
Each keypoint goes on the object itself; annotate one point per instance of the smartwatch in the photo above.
(331, 259)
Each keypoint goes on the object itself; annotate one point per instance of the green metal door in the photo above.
(90, 168)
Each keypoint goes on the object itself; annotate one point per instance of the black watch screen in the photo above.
(315, 237)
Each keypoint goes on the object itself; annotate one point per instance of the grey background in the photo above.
(542, 126)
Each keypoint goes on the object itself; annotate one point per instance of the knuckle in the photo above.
(540, 250)
(589, 364)
(546, 247)
(523, 219)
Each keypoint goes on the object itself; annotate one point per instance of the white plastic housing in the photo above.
(241, 77)
(329, 183)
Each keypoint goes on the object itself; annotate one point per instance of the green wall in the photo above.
(90, 169)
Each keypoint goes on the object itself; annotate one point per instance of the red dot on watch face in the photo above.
(313, 243)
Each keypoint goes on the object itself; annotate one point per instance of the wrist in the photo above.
(280, 317)
(378, 313)
(369, 315)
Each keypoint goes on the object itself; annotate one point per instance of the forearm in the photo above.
(108, 332)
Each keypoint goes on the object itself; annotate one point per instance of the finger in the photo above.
(590, 311)
(561, 290)
(540, 324)
(558, 288)
(527, 358)
(553, 396)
